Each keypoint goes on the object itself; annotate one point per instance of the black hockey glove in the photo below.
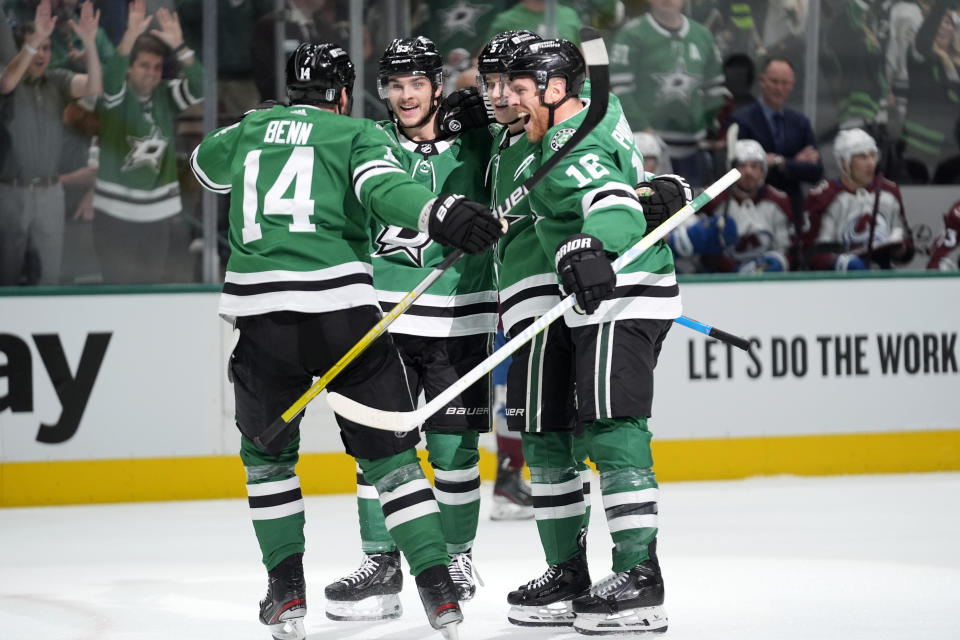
(585, 271)
(461, 111)
(453, 220)
(662, 197)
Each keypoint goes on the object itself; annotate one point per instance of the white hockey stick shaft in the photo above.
(407, 420)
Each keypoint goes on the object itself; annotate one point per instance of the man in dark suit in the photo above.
(785, 134)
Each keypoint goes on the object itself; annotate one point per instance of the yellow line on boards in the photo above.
(150, 479)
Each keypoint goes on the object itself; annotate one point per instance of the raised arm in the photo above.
(43, 22)
(137, 23)
(91, 82)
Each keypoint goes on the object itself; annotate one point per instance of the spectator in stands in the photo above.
(853, 64)
(529, 14)
(303, 21)
(66, 49)
(933, 94)
(858, 218)
(455, 24)
(236, 91)
(945, 253)
(666, 71)
(32, 100)
(760, 213)
(137, 191)
(786, 135)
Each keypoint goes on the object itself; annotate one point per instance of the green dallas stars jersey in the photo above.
(670, 82)
(137, 179)
(526, 275)
(299, 237)
(464, 300)
(592, 190)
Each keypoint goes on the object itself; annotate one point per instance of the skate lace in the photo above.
(609, 584)
(548, 575)
(462, 570)
(366, 569)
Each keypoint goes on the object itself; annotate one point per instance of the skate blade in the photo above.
(450, 631)
(628, 621)
(386, 607)
(288, 630)
(558, 614)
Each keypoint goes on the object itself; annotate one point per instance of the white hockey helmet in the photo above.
(748, 151)
(647, 144)
(850, 142)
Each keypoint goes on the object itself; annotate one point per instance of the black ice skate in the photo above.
(439, 596)
(547, 601)
(464, 575)
(285, 605)
(370, 592)
(512, 499)
(628, 602)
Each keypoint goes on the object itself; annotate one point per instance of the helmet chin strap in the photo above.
(552, 108)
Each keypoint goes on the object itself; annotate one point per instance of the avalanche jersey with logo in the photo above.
(593, 190)
(669, 81)
(464, 300)
(137, 179)
(764, 228)
(841, 219)
(302, 181)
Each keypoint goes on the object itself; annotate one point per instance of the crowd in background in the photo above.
(100, 107)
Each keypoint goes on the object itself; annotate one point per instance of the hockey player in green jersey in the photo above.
(444, 333)
(667, 72)
(586, 211)
(299, 287)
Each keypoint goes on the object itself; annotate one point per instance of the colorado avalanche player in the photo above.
(762, 215)
(844, 215)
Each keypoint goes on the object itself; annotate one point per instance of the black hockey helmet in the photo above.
(317, 72)
(547, 59)
(495, 56)
(410, 56)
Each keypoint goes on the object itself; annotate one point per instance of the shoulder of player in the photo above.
(778, 197)
(891, 186)
(822, 194)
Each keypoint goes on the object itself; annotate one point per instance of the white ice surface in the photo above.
(852, 558)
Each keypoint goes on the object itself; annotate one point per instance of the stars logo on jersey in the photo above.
(676, 85)
(395, 239)
(462, 17)
(560, 138)
(145, 152)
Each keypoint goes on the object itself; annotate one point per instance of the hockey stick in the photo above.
(713, 332)
(595, 55)
(407, 420)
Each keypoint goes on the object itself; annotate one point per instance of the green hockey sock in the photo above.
(410, 511)
(557, 493)
(276, 503)
(456, 483)
(621, 451)
(374, 537)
